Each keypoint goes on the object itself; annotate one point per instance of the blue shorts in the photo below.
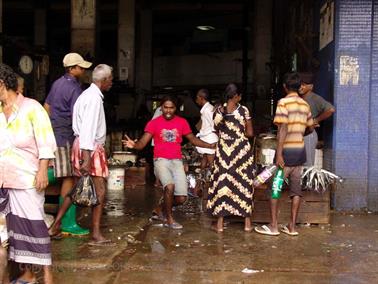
(171, 171)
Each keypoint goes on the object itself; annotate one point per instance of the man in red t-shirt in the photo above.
(167, 131)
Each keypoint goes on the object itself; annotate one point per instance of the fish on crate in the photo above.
(317, 179)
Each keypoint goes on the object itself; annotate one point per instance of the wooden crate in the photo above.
(314, 208)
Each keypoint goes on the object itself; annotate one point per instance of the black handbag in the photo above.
(84, 193)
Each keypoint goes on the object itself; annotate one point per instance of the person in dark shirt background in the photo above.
(59, 105)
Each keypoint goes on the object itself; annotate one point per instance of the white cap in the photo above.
(72, 59)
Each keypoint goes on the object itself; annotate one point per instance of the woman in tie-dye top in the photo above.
(26, 144)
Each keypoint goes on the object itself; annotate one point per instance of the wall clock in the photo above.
(26, 64)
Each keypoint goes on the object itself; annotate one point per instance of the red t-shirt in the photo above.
(167, 136)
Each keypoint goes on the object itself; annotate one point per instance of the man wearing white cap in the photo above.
(59, 104)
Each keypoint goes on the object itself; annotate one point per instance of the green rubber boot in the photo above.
(69, 225)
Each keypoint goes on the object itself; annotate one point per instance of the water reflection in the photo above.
(115, 203)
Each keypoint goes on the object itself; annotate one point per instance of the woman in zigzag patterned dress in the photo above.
(231, 190)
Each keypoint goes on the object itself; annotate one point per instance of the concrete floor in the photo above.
(346, 251)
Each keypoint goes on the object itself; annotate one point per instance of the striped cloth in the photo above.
(295, 112)
(29, 240)
(62, 162)
(99, 166)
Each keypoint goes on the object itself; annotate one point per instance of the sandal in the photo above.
(174, 226)
(285, 230)
(102, 243)
(265, 230)
(20, 281)
(158, 217)
(57, 235)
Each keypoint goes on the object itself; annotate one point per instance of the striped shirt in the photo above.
(295, 112)
(25, 138)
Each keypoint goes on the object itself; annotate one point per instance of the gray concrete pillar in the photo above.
(126, 41)
(144, 62)
(83, 23)
(262, 45)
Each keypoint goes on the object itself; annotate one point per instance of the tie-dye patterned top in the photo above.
(25, 138)
(295, 112)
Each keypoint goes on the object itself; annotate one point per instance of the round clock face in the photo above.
(26, 64)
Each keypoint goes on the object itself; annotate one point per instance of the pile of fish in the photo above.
(317, 179)
(114, 162)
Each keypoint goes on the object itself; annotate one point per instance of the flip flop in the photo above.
(174, 226)
(285, 229)
(158, 217)
(265, 230)
(20, 281)
(103, 243)
(55, 235)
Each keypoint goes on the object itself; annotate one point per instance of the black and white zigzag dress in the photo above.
(231, 190)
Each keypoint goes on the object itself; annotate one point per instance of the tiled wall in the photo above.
(355, 143)
(373, 123)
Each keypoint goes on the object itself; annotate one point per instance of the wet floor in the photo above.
(346, 251)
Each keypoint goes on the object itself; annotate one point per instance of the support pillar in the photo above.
(372, 197)
(145, 59)
(355, 121)
(83, 27)
(262, 45)
(126, 41)
(41, 62)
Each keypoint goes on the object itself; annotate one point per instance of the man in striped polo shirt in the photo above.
(293, 119)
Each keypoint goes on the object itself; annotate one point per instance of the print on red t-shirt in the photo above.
(169, 135)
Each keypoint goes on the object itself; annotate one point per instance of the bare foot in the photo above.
(291, 228)
(216, 229)
(98, 237)
(54, 230)
(247, 224)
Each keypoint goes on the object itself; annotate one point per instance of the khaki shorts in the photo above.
(171, 171)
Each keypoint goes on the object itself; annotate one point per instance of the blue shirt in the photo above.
(61, 98)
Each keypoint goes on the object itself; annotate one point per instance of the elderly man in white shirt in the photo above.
(88, 152)
(207, 132)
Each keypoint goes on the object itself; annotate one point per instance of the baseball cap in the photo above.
(72, 59)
